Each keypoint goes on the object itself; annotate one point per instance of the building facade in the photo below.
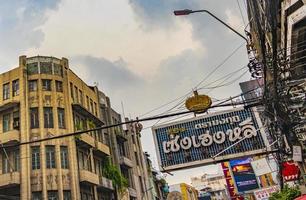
(277, 38)
(212, 185)
(43, 98)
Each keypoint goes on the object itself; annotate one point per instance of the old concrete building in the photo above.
(126, 152)
(42, 98)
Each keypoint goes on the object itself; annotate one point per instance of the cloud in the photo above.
(110, 75)
(20, 22)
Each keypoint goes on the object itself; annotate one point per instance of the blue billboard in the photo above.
(243, 174)
(202, 140)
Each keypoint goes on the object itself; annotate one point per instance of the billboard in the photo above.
(198, 140)
(232, 191)
(243, 174)
(252, 89)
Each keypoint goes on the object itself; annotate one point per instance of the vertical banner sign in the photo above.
(244, 175)
(207, 139)
(230, 182)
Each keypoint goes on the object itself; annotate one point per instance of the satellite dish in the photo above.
(175, 196)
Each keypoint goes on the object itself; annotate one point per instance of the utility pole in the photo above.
(275, 103)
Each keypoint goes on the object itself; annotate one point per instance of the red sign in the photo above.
(291, 171)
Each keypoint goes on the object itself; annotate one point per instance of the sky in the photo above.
(136, 51)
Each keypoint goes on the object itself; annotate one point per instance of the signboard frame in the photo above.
(219, 158)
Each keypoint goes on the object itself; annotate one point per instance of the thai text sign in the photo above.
(264, 194)
(195, 141)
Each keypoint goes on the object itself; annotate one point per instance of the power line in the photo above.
(183, 96)
(241, 12)
(113, 125)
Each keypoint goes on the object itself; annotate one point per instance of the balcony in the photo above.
(87, 139)
(126, 161)
(9, 180)
(106, 183)
(132, 192)
(11, 137)
(103, 148)
(83, 111)
(89, 177)
(8, 105)
(120, 135)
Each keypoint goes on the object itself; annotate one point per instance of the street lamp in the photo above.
(187, 12)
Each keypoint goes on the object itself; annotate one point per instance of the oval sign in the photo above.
(198, 103)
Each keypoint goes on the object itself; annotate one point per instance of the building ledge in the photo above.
(11, 137)
(9, 180)
(99, 146)
(87, 139)
(89, 177)
(83, 111)
(132, 192)
(8, 105)
(126, 161)
(105, 183)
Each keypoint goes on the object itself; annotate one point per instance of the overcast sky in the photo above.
(137, 51)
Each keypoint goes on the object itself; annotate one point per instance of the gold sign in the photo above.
(198, 103)
(175, 131)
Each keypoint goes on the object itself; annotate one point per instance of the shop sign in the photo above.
(195, 141)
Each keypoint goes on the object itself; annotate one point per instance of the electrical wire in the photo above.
(112, 125)
(242, 17)
(185, 95)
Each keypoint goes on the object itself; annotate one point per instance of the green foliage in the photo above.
(113, 173)
(287, 193)
(91, 124)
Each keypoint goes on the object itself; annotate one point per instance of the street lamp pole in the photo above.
(187, 12)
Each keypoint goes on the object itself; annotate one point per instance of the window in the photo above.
(87, 102)
(67, 195)
(16, 122)
(45, 67)
(76, 100)
(91, 109)
(36, 196)
(64, 157)
(136, 158)
(32, 68)
(52, 195)
(16, 159)
(84, 160)
(5, 164)
(15, 87)
(61, 117)
(32, 85)
(58, 69)
(59, 86)
(86, 192)
(48, 117)
(50, 157)
(6, 91)
(96, 109)
(81, 97)
(6, 122)
(35, 157)
(34, 117)
(46, 84)
(71, 91)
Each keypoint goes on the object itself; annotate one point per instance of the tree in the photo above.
(287, 193)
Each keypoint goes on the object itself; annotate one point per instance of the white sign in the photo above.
(297, 153)
(264, 194)
(261, 167)
(246, 129)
